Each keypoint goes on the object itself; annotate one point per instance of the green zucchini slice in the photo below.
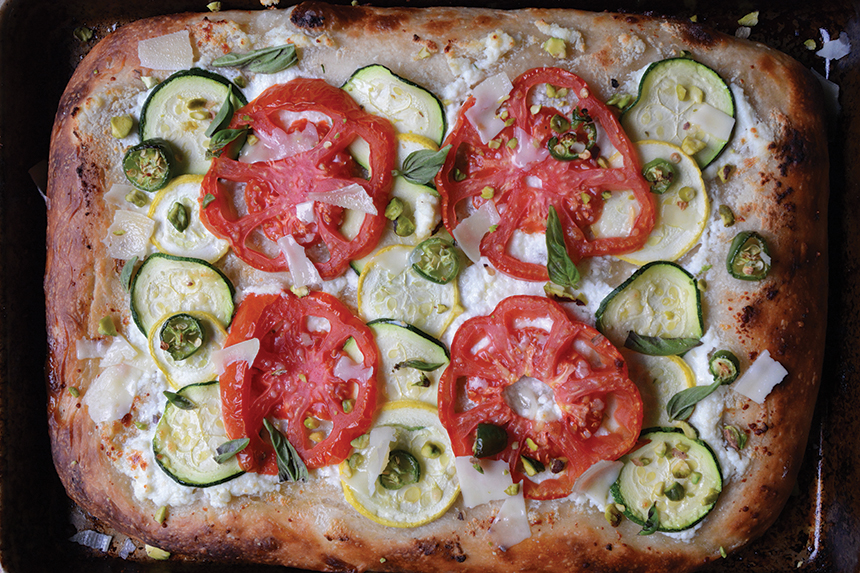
(685, 103)
(661, 299)
(165, 284)
(678, 475)
(180, 110)
(186, 441)
(409, 107)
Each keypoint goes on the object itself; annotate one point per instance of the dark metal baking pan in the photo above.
(819, 530)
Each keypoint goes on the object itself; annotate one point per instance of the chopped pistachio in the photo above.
(810, 44)
(149, 81)
(161, 514)
(156, 553)
(727, 216)
(512, 142)
(750, 19)
(208, 198)
(83, 34)
(240, 81)
(681, 91)
(513, 489)
(613, 515)
(675, 492)
(585, 198)
(530, 444)
(695, 478)
(459, 175)
(120, 126)
(602, 163)
(683, 446)
(725, 172)
(142, 426)
(535, 109)
(661, 449)
(74, 392)
(431, 450)
(300, 292)
(137, 198)
(404, 226)
(692, 145)
(555, 47)
(620, 101)
(394, 209)
(107, 327)
(735, 438)
(550, 91)
(487, 192)
(723, 552)
(494, 144)
(316, 437)
(360, 442)
(423, 53)
(311, 423)
(711, 497)
(348, 405)
(694, 18)
(354, 460)
(214, 6)
(696, 94)
(681, 470)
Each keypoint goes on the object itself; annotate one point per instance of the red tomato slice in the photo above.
(272, 189)
(300, 372)
(574, 187)
(600, 410)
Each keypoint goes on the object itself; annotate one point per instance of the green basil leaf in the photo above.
(263, 61)
(222, 139)
(224, 115)
(658, 346)
(127, 271)
(652, 523)
(419, 365)
(290, 465)
(228, 450)
(179, 401)
(562, 271)
(421, 166)
(681, 405)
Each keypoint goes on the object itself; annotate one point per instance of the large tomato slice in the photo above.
(272, 189)
(301, 372)
(574, 187)
(528, 352)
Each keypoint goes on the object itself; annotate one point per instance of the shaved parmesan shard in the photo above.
(760, 378)
(480, 488)
(347, 369)
(528, 152)
(488, 95)
(377, 456)
(353, 196)
(89, 349)
(511, 524)
(168, 52)
(713, 121)
(302, 270)
(594, 483)
(111, 394)
(128, 236)
(245, 351)
(472, 229)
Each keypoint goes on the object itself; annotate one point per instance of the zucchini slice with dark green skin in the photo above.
(660, 299)
(186, 440)
(409, 107)
(165, 284)
(180, 110)
(677, 475)
(685, 103)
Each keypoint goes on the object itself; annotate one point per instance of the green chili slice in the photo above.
(149, 165)
(402, 470)
(436, 260)
(181, 336)
(660, 174)
(489, 440)
(749, 258)
(575, 136)
(724, 366)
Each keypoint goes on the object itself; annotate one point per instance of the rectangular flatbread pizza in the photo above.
(443, 289)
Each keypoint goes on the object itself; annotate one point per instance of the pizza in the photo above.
(352, 288)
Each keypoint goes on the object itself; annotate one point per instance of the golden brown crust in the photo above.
(784, 193)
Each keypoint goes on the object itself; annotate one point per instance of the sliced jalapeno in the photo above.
(436, 260)
(181, 336)
(724, 366)
(660, 174)
(749, 258)
(402, 470)
(149, 165)
(580, 136)
(489, 440)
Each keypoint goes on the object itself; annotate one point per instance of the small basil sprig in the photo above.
(562, 271)
(263, 61)
(127, 271)
(419, 365)
(681, 405)
(179, 401)
(228, 450)
(420, 167)
(224, 115)
(659, 346)
(652, 523)
(290, 465)
(224, 138)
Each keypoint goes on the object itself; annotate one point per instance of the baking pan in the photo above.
(819, 530)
